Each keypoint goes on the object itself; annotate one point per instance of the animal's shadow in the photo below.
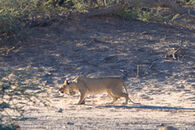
(140, 106)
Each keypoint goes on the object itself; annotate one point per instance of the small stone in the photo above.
(60, 110)
(70, 123)
(181, 87)
(117, 124)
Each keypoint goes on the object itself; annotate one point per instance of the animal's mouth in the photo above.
(71, 92)
(61, 90)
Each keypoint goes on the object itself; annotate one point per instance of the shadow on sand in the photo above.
(147, 107)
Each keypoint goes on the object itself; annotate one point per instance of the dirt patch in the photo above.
(99, 47)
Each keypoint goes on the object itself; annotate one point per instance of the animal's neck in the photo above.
(74, 87)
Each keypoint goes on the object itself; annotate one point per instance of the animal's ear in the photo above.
(66, 82)
(76, 79)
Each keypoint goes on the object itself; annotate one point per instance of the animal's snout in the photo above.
(71, 92)
(61, 90)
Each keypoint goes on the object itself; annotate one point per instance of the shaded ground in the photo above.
(98, 47)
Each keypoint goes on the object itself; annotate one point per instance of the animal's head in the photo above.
(67, 88)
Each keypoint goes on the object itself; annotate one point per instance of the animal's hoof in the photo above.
(137, 103)
(83, 102)
(124, 103)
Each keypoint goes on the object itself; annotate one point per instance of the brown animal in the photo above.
(114, 86)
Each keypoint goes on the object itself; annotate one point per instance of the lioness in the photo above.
(114, 86)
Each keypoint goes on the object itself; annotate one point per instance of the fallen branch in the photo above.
(175, 54)
(108, 10)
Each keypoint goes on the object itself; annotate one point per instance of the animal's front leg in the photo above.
(82, 99)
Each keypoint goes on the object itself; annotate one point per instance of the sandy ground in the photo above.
(100, 47)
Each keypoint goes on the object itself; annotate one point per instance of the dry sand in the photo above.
(92, 47)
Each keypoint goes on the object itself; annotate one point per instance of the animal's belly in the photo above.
(97, 90)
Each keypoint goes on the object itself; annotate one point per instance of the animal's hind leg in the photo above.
(121, 94)
(112, 96)
(131, 100)
(125, 95)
